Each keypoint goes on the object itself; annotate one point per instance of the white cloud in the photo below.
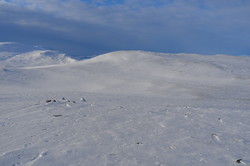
(139, 10)
(4, 43)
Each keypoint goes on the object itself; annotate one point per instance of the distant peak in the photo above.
(19, 55)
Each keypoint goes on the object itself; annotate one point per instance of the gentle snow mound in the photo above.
(118, 57)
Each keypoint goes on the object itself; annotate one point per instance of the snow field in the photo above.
(141, 108)
(105, 130)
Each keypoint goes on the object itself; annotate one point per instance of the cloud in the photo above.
(93, 27)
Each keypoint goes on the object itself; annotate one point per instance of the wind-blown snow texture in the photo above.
(124, 108)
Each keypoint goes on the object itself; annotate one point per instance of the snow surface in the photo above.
(126, 108)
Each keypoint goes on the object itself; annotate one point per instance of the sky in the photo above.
(92, 27)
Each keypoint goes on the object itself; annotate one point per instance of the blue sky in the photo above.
(92, 27)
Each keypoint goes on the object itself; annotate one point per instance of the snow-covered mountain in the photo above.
(124, 108)
(17, 55)
(131, 72)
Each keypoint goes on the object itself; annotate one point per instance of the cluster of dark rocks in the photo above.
(63, 99)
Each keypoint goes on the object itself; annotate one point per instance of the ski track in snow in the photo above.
(44, 121)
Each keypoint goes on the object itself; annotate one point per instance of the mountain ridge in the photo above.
(134, 72)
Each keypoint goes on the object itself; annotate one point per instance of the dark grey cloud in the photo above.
(83, 28)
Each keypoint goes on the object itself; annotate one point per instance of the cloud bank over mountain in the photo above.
(94, 27)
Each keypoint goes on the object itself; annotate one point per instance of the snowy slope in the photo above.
(16, 55)
(137, 72)
(125, 108)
